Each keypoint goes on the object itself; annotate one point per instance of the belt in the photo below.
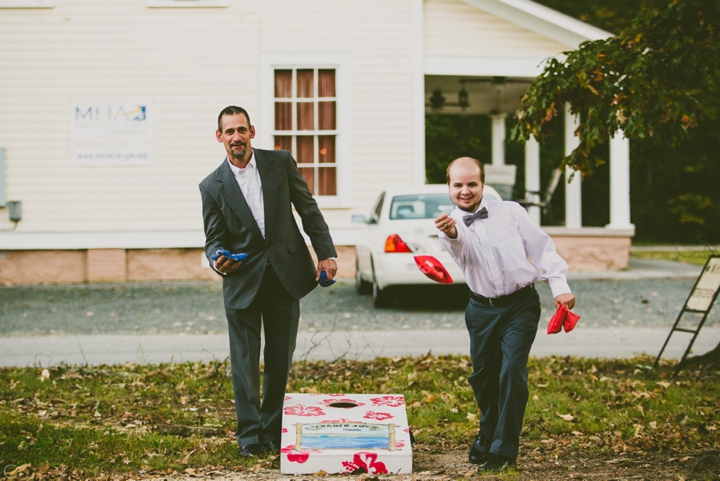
(502, 300)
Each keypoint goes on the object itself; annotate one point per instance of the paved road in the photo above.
(622, 314)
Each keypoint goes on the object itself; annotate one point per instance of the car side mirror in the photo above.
(358, 219)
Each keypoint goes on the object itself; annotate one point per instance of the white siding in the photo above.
(190, 63)
(184, 61)
(456, 29)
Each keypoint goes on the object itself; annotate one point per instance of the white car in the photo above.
(399, 228)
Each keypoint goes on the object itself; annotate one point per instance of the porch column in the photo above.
(498, 139)
(573, 191)
(619, 183)
(532, 177)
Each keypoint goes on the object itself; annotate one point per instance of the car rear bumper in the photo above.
(401, 269)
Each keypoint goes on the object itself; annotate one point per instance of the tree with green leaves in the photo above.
(655, 80)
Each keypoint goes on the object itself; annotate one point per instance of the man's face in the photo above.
(235, 136)
(466, 188)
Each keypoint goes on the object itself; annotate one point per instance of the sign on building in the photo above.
(107, 133)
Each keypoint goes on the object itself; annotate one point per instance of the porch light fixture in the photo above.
(437, 100)
(463, 101)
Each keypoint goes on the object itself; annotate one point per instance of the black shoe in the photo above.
(479, 451)
(271, 447)
(497, 464)
(250, 450)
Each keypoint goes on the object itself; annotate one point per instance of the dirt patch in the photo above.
(453, 465)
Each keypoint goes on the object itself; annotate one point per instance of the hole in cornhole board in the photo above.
(343, 405)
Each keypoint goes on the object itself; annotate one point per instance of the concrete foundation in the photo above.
(122, 265)
(583, 249)
(592, 249)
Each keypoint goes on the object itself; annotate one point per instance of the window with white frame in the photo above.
(306, 123)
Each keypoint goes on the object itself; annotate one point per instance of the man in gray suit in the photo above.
(247, 208)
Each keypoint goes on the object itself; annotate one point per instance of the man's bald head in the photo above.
(466, 161)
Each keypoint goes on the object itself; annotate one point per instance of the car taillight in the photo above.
(433, 269)
(395, 244)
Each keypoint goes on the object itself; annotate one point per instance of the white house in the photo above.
(108, 114)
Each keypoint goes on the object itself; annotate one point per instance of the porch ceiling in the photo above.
(486, 95)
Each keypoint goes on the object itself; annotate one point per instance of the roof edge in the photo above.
(542, 20)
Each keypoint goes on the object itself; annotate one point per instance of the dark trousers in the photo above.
(500, 342)
(279, 313)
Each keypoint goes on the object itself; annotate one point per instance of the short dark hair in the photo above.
(479, 164)
(232, 110)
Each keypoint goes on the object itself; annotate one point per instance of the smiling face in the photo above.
(235, 136)
(466, 186)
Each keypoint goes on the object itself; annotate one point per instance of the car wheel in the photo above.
(381, 297)
(361, 285)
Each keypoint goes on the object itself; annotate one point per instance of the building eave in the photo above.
(542, 20)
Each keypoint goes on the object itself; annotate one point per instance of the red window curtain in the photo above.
(309, 176)
(326, 83)
(283, 110)
(326, 88)
(305, 83)
(283, 142)
(305, 149)
(326, 145)
(295, 110)
(283, 84)
(305, 116)
(327, 181)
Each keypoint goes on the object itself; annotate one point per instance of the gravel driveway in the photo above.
(196, 307)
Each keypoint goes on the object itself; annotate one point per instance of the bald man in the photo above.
(501, 253)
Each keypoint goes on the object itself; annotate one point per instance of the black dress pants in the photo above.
(500, 342)
(279, 313)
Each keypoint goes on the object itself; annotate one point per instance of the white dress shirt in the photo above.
(504, 252)
(248, 179)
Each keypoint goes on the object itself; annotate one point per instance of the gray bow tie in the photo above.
(481, 214)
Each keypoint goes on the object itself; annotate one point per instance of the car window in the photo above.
(420, 206)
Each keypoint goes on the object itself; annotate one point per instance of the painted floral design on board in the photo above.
(299, 458)
(389, 401)
(378, 416)
(365, 463)
(302, 410)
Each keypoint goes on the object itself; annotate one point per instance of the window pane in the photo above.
(305, 79)
(305, 116)
(424, 206)
(283, 83)
(326, 83)
(283, 116)
(327, 115)
(283, 142)
(305, 150)
(326, 181)
(309, 176)
(326, 144)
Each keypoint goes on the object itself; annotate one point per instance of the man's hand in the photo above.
(567, 300)
(330, 268)
(447, 224)
(225, 265)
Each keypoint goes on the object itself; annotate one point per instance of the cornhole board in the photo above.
(345, 433)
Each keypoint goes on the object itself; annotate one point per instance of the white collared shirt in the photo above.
(505, 252)
(248, 179)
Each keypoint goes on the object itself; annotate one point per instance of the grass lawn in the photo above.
(84, 422)
(696, 257)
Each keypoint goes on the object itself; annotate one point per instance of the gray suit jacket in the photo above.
(229, 224)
